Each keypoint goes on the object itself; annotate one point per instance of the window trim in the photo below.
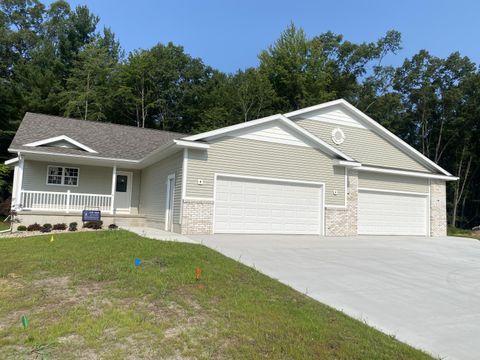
(63, 175)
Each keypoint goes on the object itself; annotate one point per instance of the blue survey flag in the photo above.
(138, 262)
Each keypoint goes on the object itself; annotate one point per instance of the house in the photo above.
(327, 169)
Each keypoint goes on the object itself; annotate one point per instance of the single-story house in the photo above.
(328, 169)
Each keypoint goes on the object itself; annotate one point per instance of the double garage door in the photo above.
(256, 206)
(388, 213)
(261, 206)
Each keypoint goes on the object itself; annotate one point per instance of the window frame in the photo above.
(63, 175)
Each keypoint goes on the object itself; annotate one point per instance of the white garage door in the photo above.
(267, 207)
(381, 213)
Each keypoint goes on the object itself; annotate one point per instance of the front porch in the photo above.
(50, 187)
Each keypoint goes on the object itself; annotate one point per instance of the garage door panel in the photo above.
(383, 213)
(257, 206)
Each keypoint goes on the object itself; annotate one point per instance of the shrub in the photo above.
(22, 228)
(61, 226)
(46, 229)
(34, 227)
(47, 226)
(72, 226)
(112, 226)
(93, 225)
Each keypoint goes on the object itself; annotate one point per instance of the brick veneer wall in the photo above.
(438, 208)
(343, 221)
(197, 217)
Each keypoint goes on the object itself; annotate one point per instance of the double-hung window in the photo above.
(62, 175)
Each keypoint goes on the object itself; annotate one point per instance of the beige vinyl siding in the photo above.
(153, 188)
(379, 181)
(91, 180)
(246, 157)
(364, 146)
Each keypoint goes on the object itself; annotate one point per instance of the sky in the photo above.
(229, 35)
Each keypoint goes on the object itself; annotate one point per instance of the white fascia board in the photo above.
(277, 117)
(11, 161)
(190, 144)
(347, 164)
(224, 130)
(407, 173)
(23, 151)
(313, 138)
(381, 130)
(60, 138)
(314, 108)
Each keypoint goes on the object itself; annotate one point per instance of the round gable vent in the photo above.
(338, 136)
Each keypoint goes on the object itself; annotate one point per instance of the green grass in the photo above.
(84, 297)
(4, 225)
(453, 231)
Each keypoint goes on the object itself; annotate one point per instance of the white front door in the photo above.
(123, 191)
(258, 206)
(169, 202)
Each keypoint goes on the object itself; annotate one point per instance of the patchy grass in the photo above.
(453, 231)
(85, 299)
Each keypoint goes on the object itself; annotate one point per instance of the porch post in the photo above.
(17, 183)
(68, 201)
(114, 185)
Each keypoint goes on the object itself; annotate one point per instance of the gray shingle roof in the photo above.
(108, 140)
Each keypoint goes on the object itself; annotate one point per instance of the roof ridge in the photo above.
(106, 123)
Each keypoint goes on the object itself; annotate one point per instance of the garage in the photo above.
(267, 206)
(392, 213)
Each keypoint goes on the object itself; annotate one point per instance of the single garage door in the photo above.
(384, 213)
(254, 206)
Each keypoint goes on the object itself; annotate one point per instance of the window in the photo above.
(59, 175)
(122, 183)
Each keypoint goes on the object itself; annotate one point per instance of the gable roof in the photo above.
(270, 119)
(377, 128)
(105, 140)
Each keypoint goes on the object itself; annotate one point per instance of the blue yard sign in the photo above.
(91, 215)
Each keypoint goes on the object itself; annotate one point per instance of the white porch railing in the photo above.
(64, 201)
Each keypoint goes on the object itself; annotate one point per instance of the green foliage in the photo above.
(60, 226)
(22, 228)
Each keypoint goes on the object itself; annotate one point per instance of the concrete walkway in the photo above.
(157, 234)
(425, 291)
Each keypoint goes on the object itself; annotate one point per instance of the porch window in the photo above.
(60, 175)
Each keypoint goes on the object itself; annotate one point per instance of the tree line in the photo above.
(55, 60)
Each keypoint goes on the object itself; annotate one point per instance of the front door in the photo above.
(123, 191)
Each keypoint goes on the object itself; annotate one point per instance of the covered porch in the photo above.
(53, 187)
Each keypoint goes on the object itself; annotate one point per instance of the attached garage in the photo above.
(392, 213)
(267, 206)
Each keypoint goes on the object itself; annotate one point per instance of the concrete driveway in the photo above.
(425, 291)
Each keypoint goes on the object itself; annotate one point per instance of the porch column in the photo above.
(114, 185)
(17, 183)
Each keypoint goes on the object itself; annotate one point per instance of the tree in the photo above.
(305, 72)
(253, 94)
(138, 85)
(88, 93)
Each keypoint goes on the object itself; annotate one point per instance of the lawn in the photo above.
(84, 298)
(452, 231)
(4, 225)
